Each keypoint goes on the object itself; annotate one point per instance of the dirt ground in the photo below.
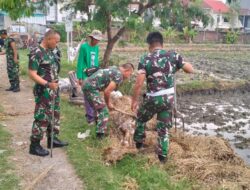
(18, 109)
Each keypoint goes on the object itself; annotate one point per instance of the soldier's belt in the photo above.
(169, 91)
(91, 71)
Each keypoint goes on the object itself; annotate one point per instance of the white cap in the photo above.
(96, 34)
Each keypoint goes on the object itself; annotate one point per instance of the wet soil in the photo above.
(220, 114)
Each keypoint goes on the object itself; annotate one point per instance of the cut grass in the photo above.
(86, 156)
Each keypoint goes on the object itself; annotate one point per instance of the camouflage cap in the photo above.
(3, 32)
(96, 34)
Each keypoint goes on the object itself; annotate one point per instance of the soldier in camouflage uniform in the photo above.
(12, 61)
(104, 80)
(158, 68)
(44, 69)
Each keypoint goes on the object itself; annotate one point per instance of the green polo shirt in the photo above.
(88, 57)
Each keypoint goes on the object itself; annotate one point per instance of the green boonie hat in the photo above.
(3, 32)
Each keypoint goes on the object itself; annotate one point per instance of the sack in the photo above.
(91, 71)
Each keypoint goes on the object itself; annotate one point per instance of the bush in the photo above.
(122, 43)
(61, 29)
(232, 37)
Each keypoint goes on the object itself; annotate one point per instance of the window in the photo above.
(225, 19)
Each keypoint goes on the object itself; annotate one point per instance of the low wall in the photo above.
(219, 37)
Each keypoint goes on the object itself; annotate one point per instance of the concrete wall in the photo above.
(218, 37)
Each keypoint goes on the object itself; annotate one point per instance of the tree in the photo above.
(17, 8)
(118, 9)
(24, 8)
(79, 5)
(107, 11)
(179, 15)
(233, 14)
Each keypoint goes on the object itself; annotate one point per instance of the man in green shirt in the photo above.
(88, 58)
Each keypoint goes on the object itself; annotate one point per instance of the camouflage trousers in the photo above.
(96, 101)
(13, 73)
(43, 113)
(162, 106)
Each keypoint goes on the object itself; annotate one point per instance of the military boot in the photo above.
(9, 89)
(162, 159)
(56, 143)
(37, 149)
(16, 89)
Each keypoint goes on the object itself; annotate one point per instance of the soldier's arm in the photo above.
(137, 90)
(107, 92)
(13, 46)
(187, 67)
(39, 80)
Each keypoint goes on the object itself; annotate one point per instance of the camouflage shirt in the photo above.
(8, 48)
(159, 67)
(44, 62)
(101, 79)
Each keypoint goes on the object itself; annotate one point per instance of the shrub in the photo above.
(61, 29)
(232, 37)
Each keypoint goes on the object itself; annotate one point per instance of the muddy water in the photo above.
(223, 115)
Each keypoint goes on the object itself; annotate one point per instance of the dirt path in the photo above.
(19, 108)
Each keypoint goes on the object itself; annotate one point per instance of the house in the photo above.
(245, 18)
(221, 15)
(55, 14)
(244, 12)
(5, 21)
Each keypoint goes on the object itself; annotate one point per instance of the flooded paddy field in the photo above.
(221, 112)
(221, 115)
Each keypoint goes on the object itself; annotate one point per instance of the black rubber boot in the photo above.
(16, 89)
(100, 136)
(56, 143)
(37, 149)
(162, 159)
(9, 89)
(138, 145)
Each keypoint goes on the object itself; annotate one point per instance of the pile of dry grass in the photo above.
(209, 160)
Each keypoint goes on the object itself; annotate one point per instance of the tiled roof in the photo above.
(216, 6)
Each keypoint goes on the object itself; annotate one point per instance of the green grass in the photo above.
(65, 68)
(209, 84)
(86, 156)
(23, 61)
(8, 179)
(196, 85)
